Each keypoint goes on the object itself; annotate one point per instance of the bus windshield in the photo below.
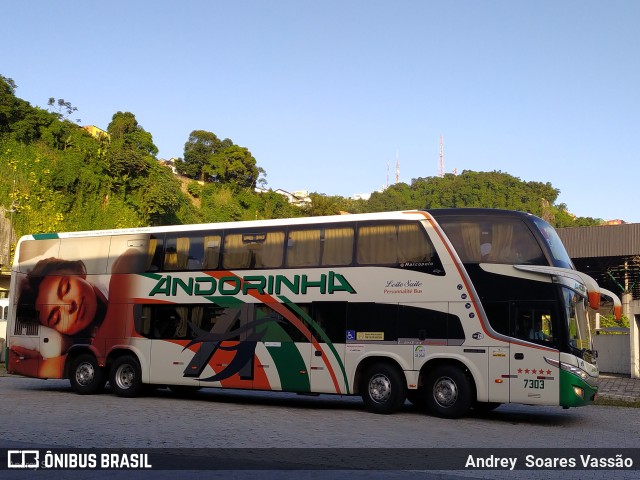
(559, 254)
(493, 240)
(578, 323)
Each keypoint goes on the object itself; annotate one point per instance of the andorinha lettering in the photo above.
(330, 283)
(491, 462)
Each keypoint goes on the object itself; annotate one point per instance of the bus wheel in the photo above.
(383, 389)
(449, 392)
(126, 377)
(86, 376)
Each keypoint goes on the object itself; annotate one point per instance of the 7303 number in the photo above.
(537, 384)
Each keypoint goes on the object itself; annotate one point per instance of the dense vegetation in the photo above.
(58, 177)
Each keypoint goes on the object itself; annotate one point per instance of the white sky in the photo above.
(324, 93)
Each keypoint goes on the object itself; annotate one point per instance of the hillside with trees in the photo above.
(59, 177)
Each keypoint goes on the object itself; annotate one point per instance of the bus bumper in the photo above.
(574, 391)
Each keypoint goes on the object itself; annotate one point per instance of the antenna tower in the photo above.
(387, 186)
(397, 167)
(441, 164)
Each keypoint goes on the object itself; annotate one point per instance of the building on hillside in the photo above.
(170, 164)
(97, 133)
(297, 198)
(361, 196)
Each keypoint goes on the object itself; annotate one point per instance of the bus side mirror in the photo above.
(594, 300)
(617, 312)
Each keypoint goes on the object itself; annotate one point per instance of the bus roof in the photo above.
(395, 215)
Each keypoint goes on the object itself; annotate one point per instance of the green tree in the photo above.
(198, 151)
(127, 134)
(157, 197)
(233, 165)
(62, 108)
(219, 204)
(7, 102)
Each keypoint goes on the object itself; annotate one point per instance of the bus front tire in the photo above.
(126, 377)
(449, 392)
(383, 389)
(86, 376)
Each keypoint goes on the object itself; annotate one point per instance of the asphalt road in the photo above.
(47, 415)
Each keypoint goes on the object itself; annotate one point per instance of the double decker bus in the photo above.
(451, 309)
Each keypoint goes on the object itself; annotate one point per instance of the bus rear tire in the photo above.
(86, 376)
(383, 389)
(449, 392)
(126, 377)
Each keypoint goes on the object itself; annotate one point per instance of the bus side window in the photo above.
(514, 243)
(331, 319)
(166, 322)
(413, 244)
(304, 248)
(176, 253)
(155, 254)
(253, 250)
(373, 321)
(394, 244)
(498, 315)
(271, 253)
(417, 322)
(465, 236)
(274, 327)
(377, 245)
(533, 323)
(212, 245)
(337, 246)
(235, 253)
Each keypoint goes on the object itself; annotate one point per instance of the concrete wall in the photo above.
(613, 351)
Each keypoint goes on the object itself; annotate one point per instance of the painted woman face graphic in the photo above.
(66, 303)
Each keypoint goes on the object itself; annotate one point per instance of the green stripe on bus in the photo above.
(568, 395)
(288, 361)
(45, 236)
(226, 301)
(316, 328)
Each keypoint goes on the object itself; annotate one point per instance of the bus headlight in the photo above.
(578, 372)
(578, 391)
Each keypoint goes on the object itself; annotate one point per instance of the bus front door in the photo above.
(532, 379)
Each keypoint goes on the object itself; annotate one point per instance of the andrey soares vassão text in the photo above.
(532, 461)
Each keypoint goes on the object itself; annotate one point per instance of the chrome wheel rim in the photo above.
(85, 373)
(125, 376)
(380, 388)
(445, 392)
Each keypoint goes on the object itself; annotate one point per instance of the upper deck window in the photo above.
(558, 252)
(395, 244)
(500, 240)
(254, 249)
(320, 246)
(192, 251)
